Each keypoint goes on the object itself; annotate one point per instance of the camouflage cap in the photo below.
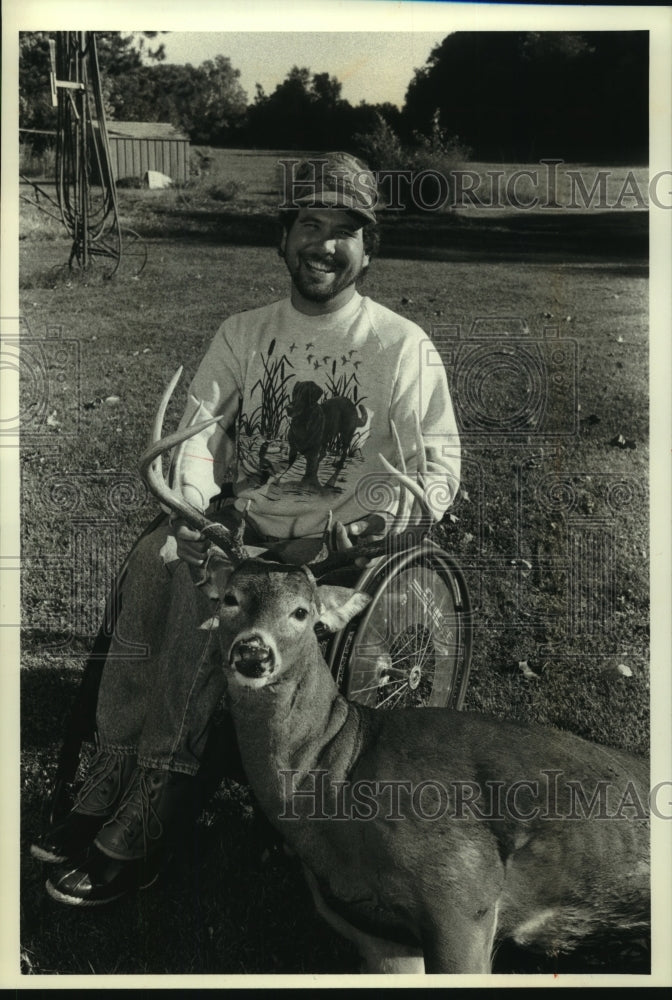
(331, 180)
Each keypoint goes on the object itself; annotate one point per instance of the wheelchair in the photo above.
(410, 647)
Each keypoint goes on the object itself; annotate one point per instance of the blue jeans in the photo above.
(163, 679)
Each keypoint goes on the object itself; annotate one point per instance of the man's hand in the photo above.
(370, 529)
(192, 547)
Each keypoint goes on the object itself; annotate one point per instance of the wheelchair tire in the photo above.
(411, 647)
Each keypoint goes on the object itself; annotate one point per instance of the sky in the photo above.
(374, 68)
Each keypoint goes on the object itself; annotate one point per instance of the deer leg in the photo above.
(455, 942)
(381, 957)
(378, 955)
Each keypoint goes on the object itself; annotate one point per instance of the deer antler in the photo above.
(410, 522)
(152, 473)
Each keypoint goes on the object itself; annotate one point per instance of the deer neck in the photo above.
(293, 728)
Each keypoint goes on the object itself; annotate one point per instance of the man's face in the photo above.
(324, 253)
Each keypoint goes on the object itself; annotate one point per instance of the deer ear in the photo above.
(338, 605)
(217, 573)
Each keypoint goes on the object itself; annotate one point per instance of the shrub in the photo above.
(382, 148)
(437, 152)
(36, 164)
(226, 191)
(129, 182)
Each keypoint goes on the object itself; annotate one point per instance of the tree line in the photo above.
(502, 96)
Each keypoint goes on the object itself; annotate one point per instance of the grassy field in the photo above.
(541, 319)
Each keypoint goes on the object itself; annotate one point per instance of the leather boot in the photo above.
(96, 802)
(154, 808)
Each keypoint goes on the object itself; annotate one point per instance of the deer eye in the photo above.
(230, 601)
(300, 614)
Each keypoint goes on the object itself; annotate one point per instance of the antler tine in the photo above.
(420, 445)
(177, 460)
(422, 511)
(152, 473)
(408, 520)
(402, 513)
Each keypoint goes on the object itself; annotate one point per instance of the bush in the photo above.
(36, 164)
(437, 152)
(200, 161)
(382, 148)
(129, 182)
(226, 191)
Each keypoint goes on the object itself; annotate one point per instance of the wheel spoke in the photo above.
(412, 612)
(374, 687)
(395, 694)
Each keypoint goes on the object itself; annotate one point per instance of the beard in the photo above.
(320, 279)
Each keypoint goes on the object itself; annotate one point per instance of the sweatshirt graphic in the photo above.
(315, 398)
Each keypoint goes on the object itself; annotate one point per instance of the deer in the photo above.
(428, 837)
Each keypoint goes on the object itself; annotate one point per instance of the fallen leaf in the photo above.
(624, 670)
(620, 442)
(525, 670)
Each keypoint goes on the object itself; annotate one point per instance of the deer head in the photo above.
(267, 617)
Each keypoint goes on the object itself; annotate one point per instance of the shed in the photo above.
(136, 147)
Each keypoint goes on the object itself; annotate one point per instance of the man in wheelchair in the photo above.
(309, 391)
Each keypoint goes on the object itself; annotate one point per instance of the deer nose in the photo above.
(252, 657)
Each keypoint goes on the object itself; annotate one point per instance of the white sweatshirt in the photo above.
(367, 367)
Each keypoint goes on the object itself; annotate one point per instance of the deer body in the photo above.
(454, 886)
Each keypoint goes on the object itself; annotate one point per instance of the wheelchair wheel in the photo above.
(411, 647)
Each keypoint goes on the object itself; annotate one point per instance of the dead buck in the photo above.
(424, 834)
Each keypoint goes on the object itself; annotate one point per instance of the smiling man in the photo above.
(311, 390)
(325, 255)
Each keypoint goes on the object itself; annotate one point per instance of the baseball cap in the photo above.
(330, 180)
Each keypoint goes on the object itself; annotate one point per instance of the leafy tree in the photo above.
(35, 108)
(207, 102)
(522, 95)
(304, 112)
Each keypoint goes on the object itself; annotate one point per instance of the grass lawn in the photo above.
(542, 323)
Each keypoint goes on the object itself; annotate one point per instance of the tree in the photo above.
(223, 100)
(515, 96)
(207, 101)
(305, 111)
(35, 108)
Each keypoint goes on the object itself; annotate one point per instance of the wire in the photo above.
(89, 212)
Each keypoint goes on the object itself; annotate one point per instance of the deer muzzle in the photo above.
(253, 658)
